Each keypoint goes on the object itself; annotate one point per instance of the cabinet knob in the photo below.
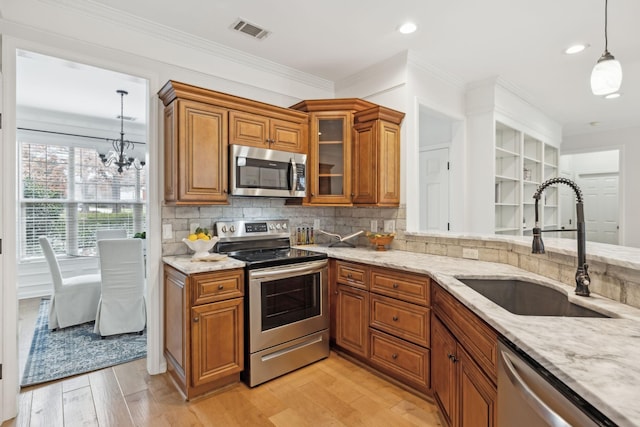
(396, 286)
(220, 287)
(353, 194)
(453, 358)
(394, 356)
(335, 292)
(349, 276)
(196, 319)
(225, 191)
(313, 194)
(395, 318)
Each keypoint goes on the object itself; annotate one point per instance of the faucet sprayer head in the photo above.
(537, 247)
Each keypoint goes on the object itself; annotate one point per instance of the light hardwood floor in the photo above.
(332, 392)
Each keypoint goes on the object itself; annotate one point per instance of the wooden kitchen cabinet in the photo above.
(465, 392)
(383, 318)
(354, 152)
(352, 320)
(203, 323)
(199, 125)
(352, 307)
(264, 132)
(195, 153)
(376, 143)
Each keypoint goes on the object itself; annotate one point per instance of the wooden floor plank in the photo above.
(78, 408)
(110, 405)
(331, 392)
(46, 406)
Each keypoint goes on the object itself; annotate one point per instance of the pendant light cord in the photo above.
(606, 40)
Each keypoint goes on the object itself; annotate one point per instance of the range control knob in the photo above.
(232, 228)
(271, 227)
(224, 229)
(277, 226)
(284, 226)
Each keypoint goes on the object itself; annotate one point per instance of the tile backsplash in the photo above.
(618, 283)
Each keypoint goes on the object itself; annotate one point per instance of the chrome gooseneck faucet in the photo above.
(582, 275)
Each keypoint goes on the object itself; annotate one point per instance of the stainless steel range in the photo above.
(286, 299)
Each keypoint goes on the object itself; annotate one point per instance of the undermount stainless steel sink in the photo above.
(528, 298)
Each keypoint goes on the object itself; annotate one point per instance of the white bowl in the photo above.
(201, 247)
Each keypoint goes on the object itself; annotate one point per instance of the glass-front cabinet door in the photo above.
(330, 158)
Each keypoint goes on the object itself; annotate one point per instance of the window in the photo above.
(67, 194)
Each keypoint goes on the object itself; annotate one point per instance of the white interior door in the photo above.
(600, 206)
(434, 189)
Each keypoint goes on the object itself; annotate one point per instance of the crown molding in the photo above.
(115, 17)
(417, 61)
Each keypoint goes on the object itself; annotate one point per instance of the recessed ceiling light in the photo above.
(594, 123)
(408, 28)
(576, 48)
(613, 95)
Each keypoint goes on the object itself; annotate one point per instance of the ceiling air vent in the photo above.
(250, 29)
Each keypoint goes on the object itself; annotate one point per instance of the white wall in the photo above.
(628, 141)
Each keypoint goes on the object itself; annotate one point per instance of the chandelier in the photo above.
(118, 154)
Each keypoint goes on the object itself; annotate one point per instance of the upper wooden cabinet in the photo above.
(264, 132)
(354, 152)
(200, 124)
(195, 153)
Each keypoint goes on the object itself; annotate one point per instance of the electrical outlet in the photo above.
(193, 226)
(389, 226)
(470, 253)
(167, 231)
(316, 224)
(374, 225)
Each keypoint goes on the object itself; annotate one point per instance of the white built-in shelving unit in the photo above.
(522, 163)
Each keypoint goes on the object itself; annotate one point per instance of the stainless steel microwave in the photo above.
(264, 172)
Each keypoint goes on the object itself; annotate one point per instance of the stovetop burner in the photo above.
(261, 244)
(274, 257)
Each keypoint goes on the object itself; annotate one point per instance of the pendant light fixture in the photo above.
(606, 76)
(118, 155)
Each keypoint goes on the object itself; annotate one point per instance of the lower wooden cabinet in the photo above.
(216, 350)
(352, 320)
(464, 392)
(203, 324)
(406, 362)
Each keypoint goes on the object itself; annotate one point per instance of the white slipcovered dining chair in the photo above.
(122, 307)
(114, 233)
(75, 299)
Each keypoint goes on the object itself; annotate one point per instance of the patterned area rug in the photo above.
(76, 350)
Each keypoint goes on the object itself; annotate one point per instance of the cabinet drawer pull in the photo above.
(394, 356)
(349, 276)
(396, 286)
(220, 287)
(395, 318)
(196, 319)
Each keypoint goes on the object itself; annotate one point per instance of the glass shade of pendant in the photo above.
(606, 76)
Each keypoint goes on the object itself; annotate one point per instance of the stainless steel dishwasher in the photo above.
(527, 399)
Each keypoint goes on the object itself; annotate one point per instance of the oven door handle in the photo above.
(284, 270)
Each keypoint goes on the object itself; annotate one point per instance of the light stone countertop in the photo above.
(184, 264)
(597, 358)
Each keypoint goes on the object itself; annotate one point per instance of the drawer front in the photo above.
(216, 286)
(480, 341)
(355, 275)
(404, 286)
(404, 361)
(402, 319)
